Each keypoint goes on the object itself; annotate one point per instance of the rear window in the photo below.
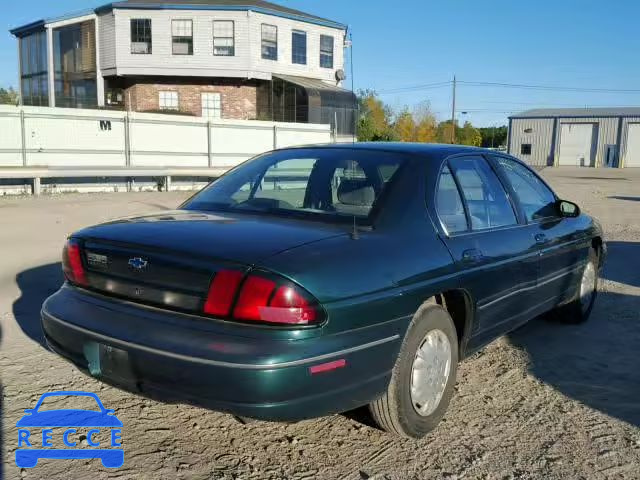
(330, 184)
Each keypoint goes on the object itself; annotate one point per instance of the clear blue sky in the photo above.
(570, 43)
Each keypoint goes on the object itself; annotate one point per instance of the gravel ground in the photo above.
(548, 401)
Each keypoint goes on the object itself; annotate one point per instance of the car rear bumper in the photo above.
(179, 358)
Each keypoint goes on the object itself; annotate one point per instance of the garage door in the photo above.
(577, 146)
(632, 157)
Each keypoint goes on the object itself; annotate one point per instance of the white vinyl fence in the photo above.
(42, 142)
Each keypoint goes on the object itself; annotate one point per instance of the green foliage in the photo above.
(377, 122)
(405, 127)
(494, 136)
(8, 96)
(375, 118)
(444, 131)
(469, 135)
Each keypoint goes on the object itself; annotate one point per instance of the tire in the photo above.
(579, 309)
(397, 410)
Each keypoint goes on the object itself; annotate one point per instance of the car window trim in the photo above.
(464, 199)
(537, 221)
(467, 215)
(368, 222)
(512, 195)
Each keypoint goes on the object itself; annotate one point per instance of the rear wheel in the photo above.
(579, 309)
(423, 378)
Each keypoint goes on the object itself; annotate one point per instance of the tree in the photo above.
(494, 136)
(444, 130)
(405, 127)
(469, 135)
(426, 125)
(375, 118)
(8, 96)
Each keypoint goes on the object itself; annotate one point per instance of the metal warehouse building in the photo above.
(585, 137)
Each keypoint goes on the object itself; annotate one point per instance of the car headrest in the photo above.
(356, 191)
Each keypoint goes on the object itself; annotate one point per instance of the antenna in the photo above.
(355, 235)
(353, 90)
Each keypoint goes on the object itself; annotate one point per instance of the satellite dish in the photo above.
(340, 75)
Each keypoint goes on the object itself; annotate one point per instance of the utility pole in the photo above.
(453, 113)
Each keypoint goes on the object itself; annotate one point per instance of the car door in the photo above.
(495, 258)
(563, 244)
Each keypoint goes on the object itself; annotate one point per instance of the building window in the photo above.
(141, 36)
(212, 106)
(525, 149)
(299, 47)
(269, 42)
(168, 100)
(74, 64)
(326, 51)
(182, 37)
(224, 38)
(34, 69)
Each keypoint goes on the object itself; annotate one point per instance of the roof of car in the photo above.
(425, 149)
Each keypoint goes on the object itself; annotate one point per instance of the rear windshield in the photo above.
(330, 184)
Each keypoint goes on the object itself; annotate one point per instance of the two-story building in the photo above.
(236, 59)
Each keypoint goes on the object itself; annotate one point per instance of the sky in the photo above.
(574, 44)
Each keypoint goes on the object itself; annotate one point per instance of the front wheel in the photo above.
(579, 309)
(423, 378)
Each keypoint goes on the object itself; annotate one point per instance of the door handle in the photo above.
(541, 238)
(471, 256)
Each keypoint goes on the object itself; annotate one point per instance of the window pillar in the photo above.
(20, 67)
(51, 68)
(99, 77)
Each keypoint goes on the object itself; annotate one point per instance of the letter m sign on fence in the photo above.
(105, 125)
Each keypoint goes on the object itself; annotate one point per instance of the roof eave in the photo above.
(265, 11)
(20, 31)
(30, 27)
(24, 29)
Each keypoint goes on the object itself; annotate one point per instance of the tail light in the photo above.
(264, 299)
(222, 292)
(72, 263)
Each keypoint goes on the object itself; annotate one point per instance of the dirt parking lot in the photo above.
(548, 401)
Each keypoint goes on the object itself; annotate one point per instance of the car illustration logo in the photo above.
(138, 263)
(72, 421)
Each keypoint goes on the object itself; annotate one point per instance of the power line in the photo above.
(428, 86)
(557, 88)
(549, 87)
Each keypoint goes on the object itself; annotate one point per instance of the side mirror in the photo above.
(568, 209)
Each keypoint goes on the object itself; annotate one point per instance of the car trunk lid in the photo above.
(169, 259)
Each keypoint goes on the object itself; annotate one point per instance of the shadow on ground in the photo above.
(621, 197)
(595, 363)
(36, 284)
(623, 263)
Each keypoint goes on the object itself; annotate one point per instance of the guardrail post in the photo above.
(127, 141)
(23, 134)
(209, 145)
(275, 137)
(36, 186)
(167, 183)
